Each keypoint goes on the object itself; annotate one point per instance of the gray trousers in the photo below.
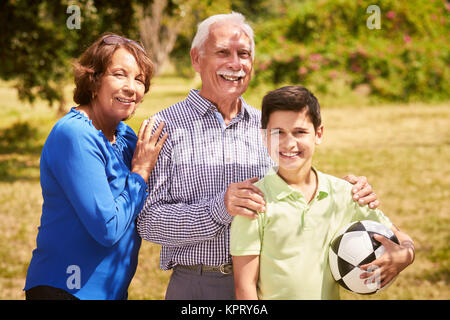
(187, 284)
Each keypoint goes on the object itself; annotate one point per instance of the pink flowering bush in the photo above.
(316, 42)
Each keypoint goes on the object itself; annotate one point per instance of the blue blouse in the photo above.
(87, 242)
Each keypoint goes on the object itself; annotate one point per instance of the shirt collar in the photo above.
(203, 105)
(279, 189)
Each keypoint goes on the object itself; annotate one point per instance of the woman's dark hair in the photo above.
(94, 61)
(290, 98)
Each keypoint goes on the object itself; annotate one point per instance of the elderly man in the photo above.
(207, 167)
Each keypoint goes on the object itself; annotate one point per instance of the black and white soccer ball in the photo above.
(353, 247)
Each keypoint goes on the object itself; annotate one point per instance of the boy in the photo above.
(283, 253)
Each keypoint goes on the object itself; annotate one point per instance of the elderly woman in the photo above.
(93, 176)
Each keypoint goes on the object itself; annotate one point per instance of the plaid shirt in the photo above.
(185, 210)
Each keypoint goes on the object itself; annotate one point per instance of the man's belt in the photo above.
(226, 268)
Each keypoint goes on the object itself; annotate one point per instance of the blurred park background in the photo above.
(379, 68)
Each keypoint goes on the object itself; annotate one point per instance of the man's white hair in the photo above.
(235, 17)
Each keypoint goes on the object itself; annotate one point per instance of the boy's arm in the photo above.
(395, 258)
(246, 272)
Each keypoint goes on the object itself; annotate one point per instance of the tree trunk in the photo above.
(159, 32)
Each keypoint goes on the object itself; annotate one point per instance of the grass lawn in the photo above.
(404, 150)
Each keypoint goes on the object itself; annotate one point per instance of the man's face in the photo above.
(224, 63)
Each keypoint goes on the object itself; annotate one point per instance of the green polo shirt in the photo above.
(292, 237)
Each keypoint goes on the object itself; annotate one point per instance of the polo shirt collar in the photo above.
(279, 189)
(203, 105)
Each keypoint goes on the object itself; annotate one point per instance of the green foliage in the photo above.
(37, 46)
(200, 10)
(19, 137)
(18, 143)
(29, 49)
(257, 11)
(322, 43)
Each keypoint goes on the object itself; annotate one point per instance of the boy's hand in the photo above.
(394, 260)
(362, 191)
(243, 198)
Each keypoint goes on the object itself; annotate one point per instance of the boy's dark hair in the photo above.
(290, 98)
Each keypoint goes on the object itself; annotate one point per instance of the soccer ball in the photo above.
(353, 247)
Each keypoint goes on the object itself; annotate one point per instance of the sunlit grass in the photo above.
(404, 150)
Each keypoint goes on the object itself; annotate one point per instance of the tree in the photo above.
(159, 31)
(161, 22)
(31, 46)
(37, 44)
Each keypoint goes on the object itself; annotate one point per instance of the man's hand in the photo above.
(243, 198)
(362, 191)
